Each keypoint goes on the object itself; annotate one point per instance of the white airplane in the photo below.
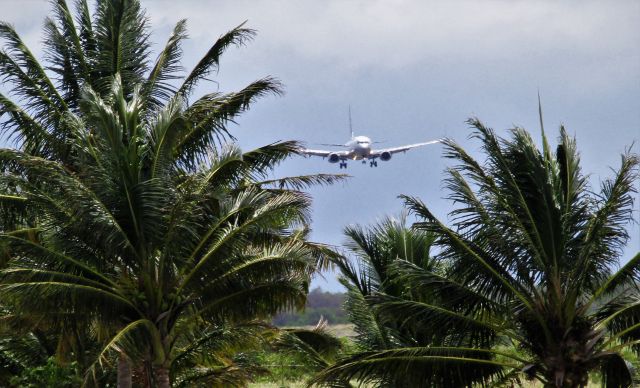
(359, 148)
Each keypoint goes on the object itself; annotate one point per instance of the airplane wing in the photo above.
(395, 150)
(324, 154)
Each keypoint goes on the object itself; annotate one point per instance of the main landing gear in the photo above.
(372, 162)
(343, 165)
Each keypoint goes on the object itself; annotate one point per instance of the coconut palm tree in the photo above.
(129, 216)
(378, 250)
(149, 251)
(532, 281)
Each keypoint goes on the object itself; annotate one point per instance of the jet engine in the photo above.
(333, 158)
(385, 156)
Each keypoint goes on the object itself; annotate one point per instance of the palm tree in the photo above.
(532, 275)
(378, 250)
(133, 222)
(146, 249)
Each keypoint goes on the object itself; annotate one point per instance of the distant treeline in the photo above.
(319, 304)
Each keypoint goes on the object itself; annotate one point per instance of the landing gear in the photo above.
(343, 165)
(373, 163)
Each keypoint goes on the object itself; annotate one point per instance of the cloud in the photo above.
(27, 17)
(399, 34)
(587, 44)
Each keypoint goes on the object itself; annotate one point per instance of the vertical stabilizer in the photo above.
(350, 126)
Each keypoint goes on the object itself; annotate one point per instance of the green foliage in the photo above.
(284, 368)
(292, 362)
(52, 374)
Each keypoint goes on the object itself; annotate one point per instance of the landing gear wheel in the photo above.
(343, 165)
(373, 163)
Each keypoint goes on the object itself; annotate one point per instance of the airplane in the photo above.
(359, 148)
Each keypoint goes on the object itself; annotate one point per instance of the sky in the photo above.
(412, 71)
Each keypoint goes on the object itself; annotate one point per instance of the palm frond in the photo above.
(164, 132)
(59, 55)
(263, 160)
(302, 182)
(627, 273)
(99, 227)
(503, 284)
(444, 290)
(316, 346)
(50, 296)
(234, 375)
(604, 236)
(65, 53)
(18, 353)
(246, 301)
(158, 87)
(211, 60)
(429, 319)
(45, 256)
(25, 130)
(371, 332)
(122, 45)
(21, 67)
(429, 367)
(86, 33)
(127, 341)
(259, 265)
(518, 173)
(210, 115)
(220, 235)
(616, 372)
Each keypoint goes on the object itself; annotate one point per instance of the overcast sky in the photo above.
(413, 71)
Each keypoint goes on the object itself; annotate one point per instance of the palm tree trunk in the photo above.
(162, 376)
(124, 372)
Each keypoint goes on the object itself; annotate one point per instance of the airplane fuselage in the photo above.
(360, 147)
